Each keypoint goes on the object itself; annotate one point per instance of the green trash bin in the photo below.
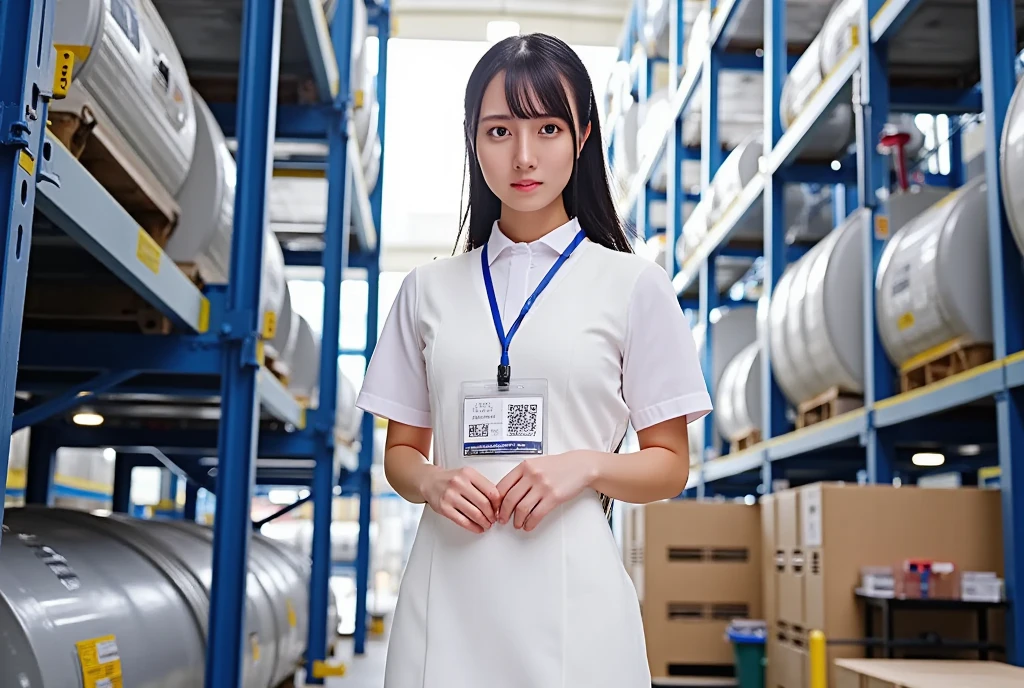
(748, 639)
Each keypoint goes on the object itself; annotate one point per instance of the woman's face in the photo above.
(525, 162)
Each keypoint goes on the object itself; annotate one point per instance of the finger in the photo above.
(510, 479)
(539, 512)
(487, 489)
(526, 506)
(511, 500)
(453, 514)
(481, 501)
(470, 511)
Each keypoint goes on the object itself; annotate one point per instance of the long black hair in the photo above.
(538, 67)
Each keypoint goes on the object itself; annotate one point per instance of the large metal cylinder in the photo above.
(816, 328)
(1011, 161)
(738, 397)
(204, 231)
(134, 82)
(79, 591)
(933, 278)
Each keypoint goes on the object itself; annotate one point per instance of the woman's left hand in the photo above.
(536, 486)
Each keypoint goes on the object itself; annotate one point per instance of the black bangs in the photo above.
(536, 89)
(543, 78)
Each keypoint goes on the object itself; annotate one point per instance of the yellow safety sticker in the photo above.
(881, 226)
(26, 163)
(293, 619)
(905, 321)
(101, 662)
(322, 669)
(63, 71)
(204, 315)
(261, 355)
(255, 642)
(148, 251)
(269, 325)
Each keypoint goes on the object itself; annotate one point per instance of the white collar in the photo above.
(557, 239)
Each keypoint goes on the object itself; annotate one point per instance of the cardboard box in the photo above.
(701, 568)
(899, 673)
(840, 529)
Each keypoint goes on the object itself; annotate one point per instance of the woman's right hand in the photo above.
(463, 496)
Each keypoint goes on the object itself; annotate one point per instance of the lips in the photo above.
(525, 185)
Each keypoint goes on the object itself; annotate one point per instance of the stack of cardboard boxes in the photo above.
(822, 535)
(696, 566)
(795, 560)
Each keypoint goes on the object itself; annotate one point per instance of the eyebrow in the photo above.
(507, 117)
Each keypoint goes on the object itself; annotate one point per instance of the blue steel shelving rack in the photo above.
(216, 345)
(861, 444)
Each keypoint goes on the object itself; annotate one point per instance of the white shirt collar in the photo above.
(557, 239)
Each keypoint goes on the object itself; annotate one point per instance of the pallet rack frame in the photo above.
(864, 439)
(218, 335)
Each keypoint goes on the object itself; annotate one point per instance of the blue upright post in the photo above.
(709, 300)
(872, 111)
(26, 83)
(191, 501)
(711, 146)
(775, 70)
(643, 203)
(336, 240)
(998, 41)
(237, 432)
(121, 499)
(674, 192)
(366, 450)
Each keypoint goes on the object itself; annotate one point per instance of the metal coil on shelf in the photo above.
(89, 588)
(305, 363)
(738, 398)
(815, 314)
(933, 279)
(1011, 165)
(130, 76)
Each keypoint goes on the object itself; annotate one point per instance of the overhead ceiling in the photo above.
(579, 22)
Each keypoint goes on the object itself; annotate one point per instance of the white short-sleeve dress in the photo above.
(551, 608)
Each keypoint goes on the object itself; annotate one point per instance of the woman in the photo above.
(522, 360)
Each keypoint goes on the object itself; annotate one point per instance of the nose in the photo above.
(526, 157)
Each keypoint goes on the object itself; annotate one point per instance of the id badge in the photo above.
(506, 422)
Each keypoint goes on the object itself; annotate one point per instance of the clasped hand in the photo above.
(524, 497)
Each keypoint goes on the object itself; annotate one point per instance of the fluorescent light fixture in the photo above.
(282, 497)
(87, 418)
(109, 454)
(836, 165)
(303, 494)
(928, 459)
(498, 30)
(970, 450)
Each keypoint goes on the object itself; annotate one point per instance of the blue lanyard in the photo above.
(504, 369)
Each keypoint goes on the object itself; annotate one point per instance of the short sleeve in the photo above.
(661, 375)
(395, 385)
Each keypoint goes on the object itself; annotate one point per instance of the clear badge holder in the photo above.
(504, 421)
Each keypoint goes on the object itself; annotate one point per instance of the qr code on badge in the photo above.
(522, 420)
(478, 430)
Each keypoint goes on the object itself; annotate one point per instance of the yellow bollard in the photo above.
(818, 660)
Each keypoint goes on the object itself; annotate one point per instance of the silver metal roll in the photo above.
(119, 596)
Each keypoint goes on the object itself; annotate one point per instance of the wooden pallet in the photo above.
(745, 442)
(826, 405)
(113, 307)
(121, 174)
(941, 362)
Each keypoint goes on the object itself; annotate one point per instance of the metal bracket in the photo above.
(234, 329)
(13, 128)
(45, 171)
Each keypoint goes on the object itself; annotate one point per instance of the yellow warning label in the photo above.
(101, 662)
(26, 163)
(148, 252)
(293, 619)
(269, 324)
(905, 321)
(63, 71)
(204, 315)
(359, 99)
(881, 226)
(255, 642)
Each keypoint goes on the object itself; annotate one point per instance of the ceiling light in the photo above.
(970, 450)
(109, 454)
(498, 30)
(282, 497)
(928, 459)
(87, 418)
(836, 165)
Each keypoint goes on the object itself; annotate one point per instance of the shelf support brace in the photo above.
(26, 85)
